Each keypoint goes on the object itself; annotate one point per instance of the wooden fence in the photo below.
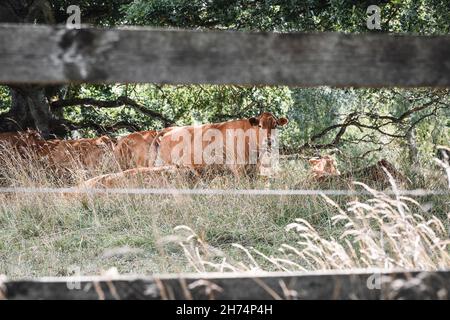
(37, 54)
(47, 54)
(314, 285)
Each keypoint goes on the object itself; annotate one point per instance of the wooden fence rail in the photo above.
(51, 54)
(314, 285)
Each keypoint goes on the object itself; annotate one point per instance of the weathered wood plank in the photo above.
(45, 54)
(338, 285)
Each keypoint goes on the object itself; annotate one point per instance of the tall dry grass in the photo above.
(386, 232)
(48, 234)
(25, 168)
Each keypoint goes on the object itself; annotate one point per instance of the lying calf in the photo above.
(376, 173)
(323, 167)
(155, 177)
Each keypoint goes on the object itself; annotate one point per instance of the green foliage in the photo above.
(216, 103)
(312, 110)
(5, 99)
(97, 12)
(415, 16)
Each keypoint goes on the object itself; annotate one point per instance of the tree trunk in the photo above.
(40, 110)
(18, 117)
(30, 108)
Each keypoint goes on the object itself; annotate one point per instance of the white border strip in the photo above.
(250, 192)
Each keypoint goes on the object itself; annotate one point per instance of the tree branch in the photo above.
(121, 101)
(101, 129)
(350, 120)
(353, 119)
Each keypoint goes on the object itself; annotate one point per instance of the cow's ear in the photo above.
(253, 121)
(282, 121)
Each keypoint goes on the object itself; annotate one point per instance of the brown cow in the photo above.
(236, 144)
(87, 153)
(133, 150)
(323, 167)
(23, 142)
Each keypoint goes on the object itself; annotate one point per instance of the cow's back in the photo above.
(186, 145)
(85, 152)
(133, 150)
(25, 143)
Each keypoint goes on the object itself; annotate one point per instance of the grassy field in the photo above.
(53, 234)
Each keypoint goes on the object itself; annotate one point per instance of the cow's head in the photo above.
(323, 167)
(267, 122)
